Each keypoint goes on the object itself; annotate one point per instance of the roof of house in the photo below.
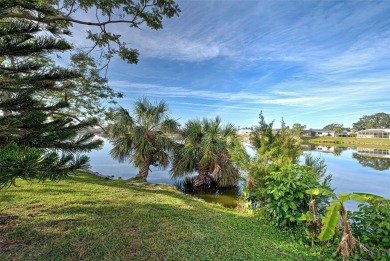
(317, 130)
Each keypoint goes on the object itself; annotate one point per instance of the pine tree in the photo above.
(35, 141)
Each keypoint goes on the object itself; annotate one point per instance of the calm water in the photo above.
(353, 169)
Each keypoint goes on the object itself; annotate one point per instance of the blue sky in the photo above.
(311, 62)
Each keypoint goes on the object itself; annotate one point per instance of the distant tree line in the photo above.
(375, 121)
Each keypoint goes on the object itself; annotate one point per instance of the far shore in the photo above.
(375, 143)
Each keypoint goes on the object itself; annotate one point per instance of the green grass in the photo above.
(349, 141)
(89, 218)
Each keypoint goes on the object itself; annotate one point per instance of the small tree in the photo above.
(297, 129)
(337, 130)
(336, 216)
(274, 149)
(207, 150)
(143, 139)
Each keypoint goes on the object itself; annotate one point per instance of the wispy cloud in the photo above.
(177, 92)
(310, 61)
(176, 47)
(322, 96)
(362, 56)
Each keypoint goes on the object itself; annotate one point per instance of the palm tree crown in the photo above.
(142, 139)
(206, 151)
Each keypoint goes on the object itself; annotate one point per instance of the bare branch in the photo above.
(65, 18)
(71, 8)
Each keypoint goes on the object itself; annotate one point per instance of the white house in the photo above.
(324, 133)
(373, 133)
(244, 131)
(318, 133)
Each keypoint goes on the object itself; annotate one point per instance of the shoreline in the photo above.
(96, 174)
(374, 143)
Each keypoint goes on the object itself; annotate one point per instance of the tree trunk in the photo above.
(347, 243)
(6, 95)
(144, 170)
(216, 172)
(203, 179)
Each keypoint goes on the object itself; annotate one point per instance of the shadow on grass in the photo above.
(143, 223)
(7, 197)
(152, 231)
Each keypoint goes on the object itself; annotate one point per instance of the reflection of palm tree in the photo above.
(337, 151)
(142, 139)
(206, 151)
(372, 162)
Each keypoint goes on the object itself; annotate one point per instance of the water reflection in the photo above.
(349, 175)
(101, 161)
(378, 159)
(377, 153)
(227, 197)
(336, 151)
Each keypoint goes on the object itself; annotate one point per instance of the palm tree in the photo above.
(143, 139)
(205, 150)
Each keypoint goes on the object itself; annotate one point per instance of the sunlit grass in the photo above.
(350, 142)
(89, 218)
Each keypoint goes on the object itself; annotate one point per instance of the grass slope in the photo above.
(350, 141)
(89, 218)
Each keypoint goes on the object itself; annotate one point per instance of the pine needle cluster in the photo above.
(36, 141)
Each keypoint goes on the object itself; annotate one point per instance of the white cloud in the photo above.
(330, 35)
(298, 59)
(167, 91)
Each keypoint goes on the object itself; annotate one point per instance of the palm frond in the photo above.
(205, 148)
(142, 138)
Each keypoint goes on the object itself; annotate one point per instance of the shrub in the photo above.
(371, 224)
(285, 190)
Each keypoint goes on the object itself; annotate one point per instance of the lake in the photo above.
(353, 169)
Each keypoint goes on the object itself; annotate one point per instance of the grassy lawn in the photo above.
(350, 142)
(90, 218)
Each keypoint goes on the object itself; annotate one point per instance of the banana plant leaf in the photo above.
(330, 220)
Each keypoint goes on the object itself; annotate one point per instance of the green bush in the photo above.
(371, 224)
(285, 190)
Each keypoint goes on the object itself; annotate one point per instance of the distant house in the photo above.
(318, 133)
(373, 133)
(244, 131)
(324, 133)
(344, 134)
